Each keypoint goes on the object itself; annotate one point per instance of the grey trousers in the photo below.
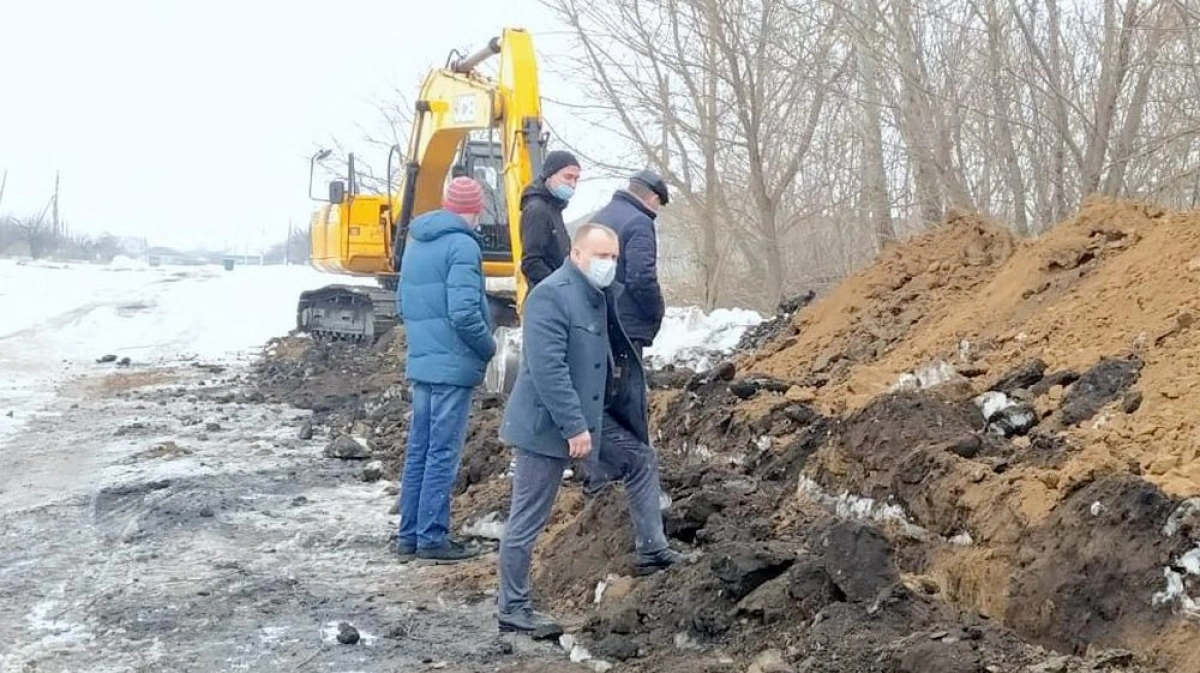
(535, 486)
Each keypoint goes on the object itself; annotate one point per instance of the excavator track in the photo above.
(355, 313)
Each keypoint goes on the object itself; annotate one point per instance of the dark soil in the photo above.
(1101, 556)
(779, 326)
(772, 573)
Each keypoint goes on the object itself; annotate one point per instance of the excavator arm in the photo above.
(364, 234)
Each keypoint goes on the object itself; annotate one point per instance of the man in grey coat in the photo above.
(580, 379)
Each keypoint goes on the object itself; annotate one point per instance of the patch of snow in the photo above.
(850, 506)
(490, 527)
(1191, 561)
(926, 376)
(123, 263)
(695, 340)
(1175, 593)
(55, 321)
(1187, 509)
(992, 403)
(963, 539)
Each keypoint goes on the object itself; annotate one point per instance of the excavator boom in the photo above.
(489, 128)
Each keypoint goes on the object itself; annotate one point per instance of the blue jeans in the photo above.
(435, 441)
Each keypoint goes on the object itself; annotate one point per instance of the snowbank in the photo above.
(123, 263)
(690, 338)
(56, 321)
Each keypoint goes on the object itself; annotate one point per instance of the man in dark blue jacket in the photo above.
(631, 214)
(445, 311)
(580, 379)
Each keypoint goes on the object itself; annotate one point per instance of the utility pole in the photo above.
(54, 213)
(3, 183)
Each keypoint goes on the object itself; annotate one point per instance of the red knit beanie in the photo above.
(463, 196)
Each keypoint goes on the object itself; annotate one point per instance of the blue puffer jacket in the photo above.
(443, 303)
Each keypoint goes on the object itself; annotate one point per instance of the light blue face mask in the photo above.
(564, 192)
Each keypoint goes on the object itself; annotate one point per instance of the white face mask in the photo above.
(601, 272)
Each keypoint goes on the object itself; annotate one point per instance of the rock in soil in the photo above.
(373, 471)
(858, 559)
(742, 569)
(1098, 386)
(346, 448)
(347, 634)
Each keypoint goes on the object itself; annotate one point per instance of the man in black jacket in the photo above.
(544, 239)
(631, 214)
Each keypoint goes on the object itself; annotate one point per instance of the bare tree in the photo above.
(803, 135)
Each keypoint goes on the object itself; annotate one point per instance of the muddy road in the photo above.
(158, 520)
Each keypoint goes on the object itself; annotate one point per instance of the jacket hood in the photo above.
(437, 224)
(537, 190)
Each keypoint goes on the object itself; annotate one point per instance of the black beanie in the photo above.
(556, 161)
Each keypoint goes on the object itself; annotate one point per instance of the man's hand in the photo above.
(580, 444)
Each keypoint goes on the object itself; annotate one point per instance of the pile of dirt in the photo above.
(977, 454)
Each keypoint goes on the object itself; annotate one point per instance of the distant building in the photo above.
(163, 256)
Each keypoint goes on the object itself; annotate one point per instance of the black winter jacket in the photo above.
(641, 307)
(544, 240)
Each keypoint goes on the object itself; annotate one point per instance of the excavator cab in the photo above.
(484, 161)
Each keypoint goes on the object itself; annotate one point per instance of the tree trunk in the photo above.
(875, 193)
(1008, 150)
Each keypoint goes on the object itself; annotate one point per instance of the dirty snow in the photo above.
(151, 518)
(692, 339)
(56, 319)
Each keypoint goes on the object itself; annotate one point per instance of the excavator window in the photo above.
(484, 161)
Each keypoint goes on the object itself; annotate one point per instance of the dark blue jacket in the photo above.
(565, 368)
(641, 307)
(443, 303)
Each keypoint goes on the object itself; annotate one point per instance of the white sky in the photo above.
(191, 122)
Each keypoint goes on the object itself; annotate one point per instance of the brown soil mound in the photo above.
(974, 449)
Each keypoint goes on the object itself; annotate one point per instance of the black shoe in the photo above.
(406, 552)
(539, 626)
(648, 565)
(449, 552)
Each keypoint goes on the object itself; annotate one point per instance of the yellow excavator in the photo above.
(464, 123)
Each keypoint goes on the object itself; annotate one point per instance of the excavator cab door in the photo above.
(484, 161)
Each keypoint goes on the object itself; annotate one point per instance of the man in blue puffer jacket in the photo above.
(444, 307)
(631, 214)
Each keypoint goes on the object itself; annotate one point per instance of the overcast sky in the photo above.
(191, 122)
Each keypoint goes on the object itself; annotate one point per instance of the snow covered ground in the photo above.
(57, 319)
(695, 340)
